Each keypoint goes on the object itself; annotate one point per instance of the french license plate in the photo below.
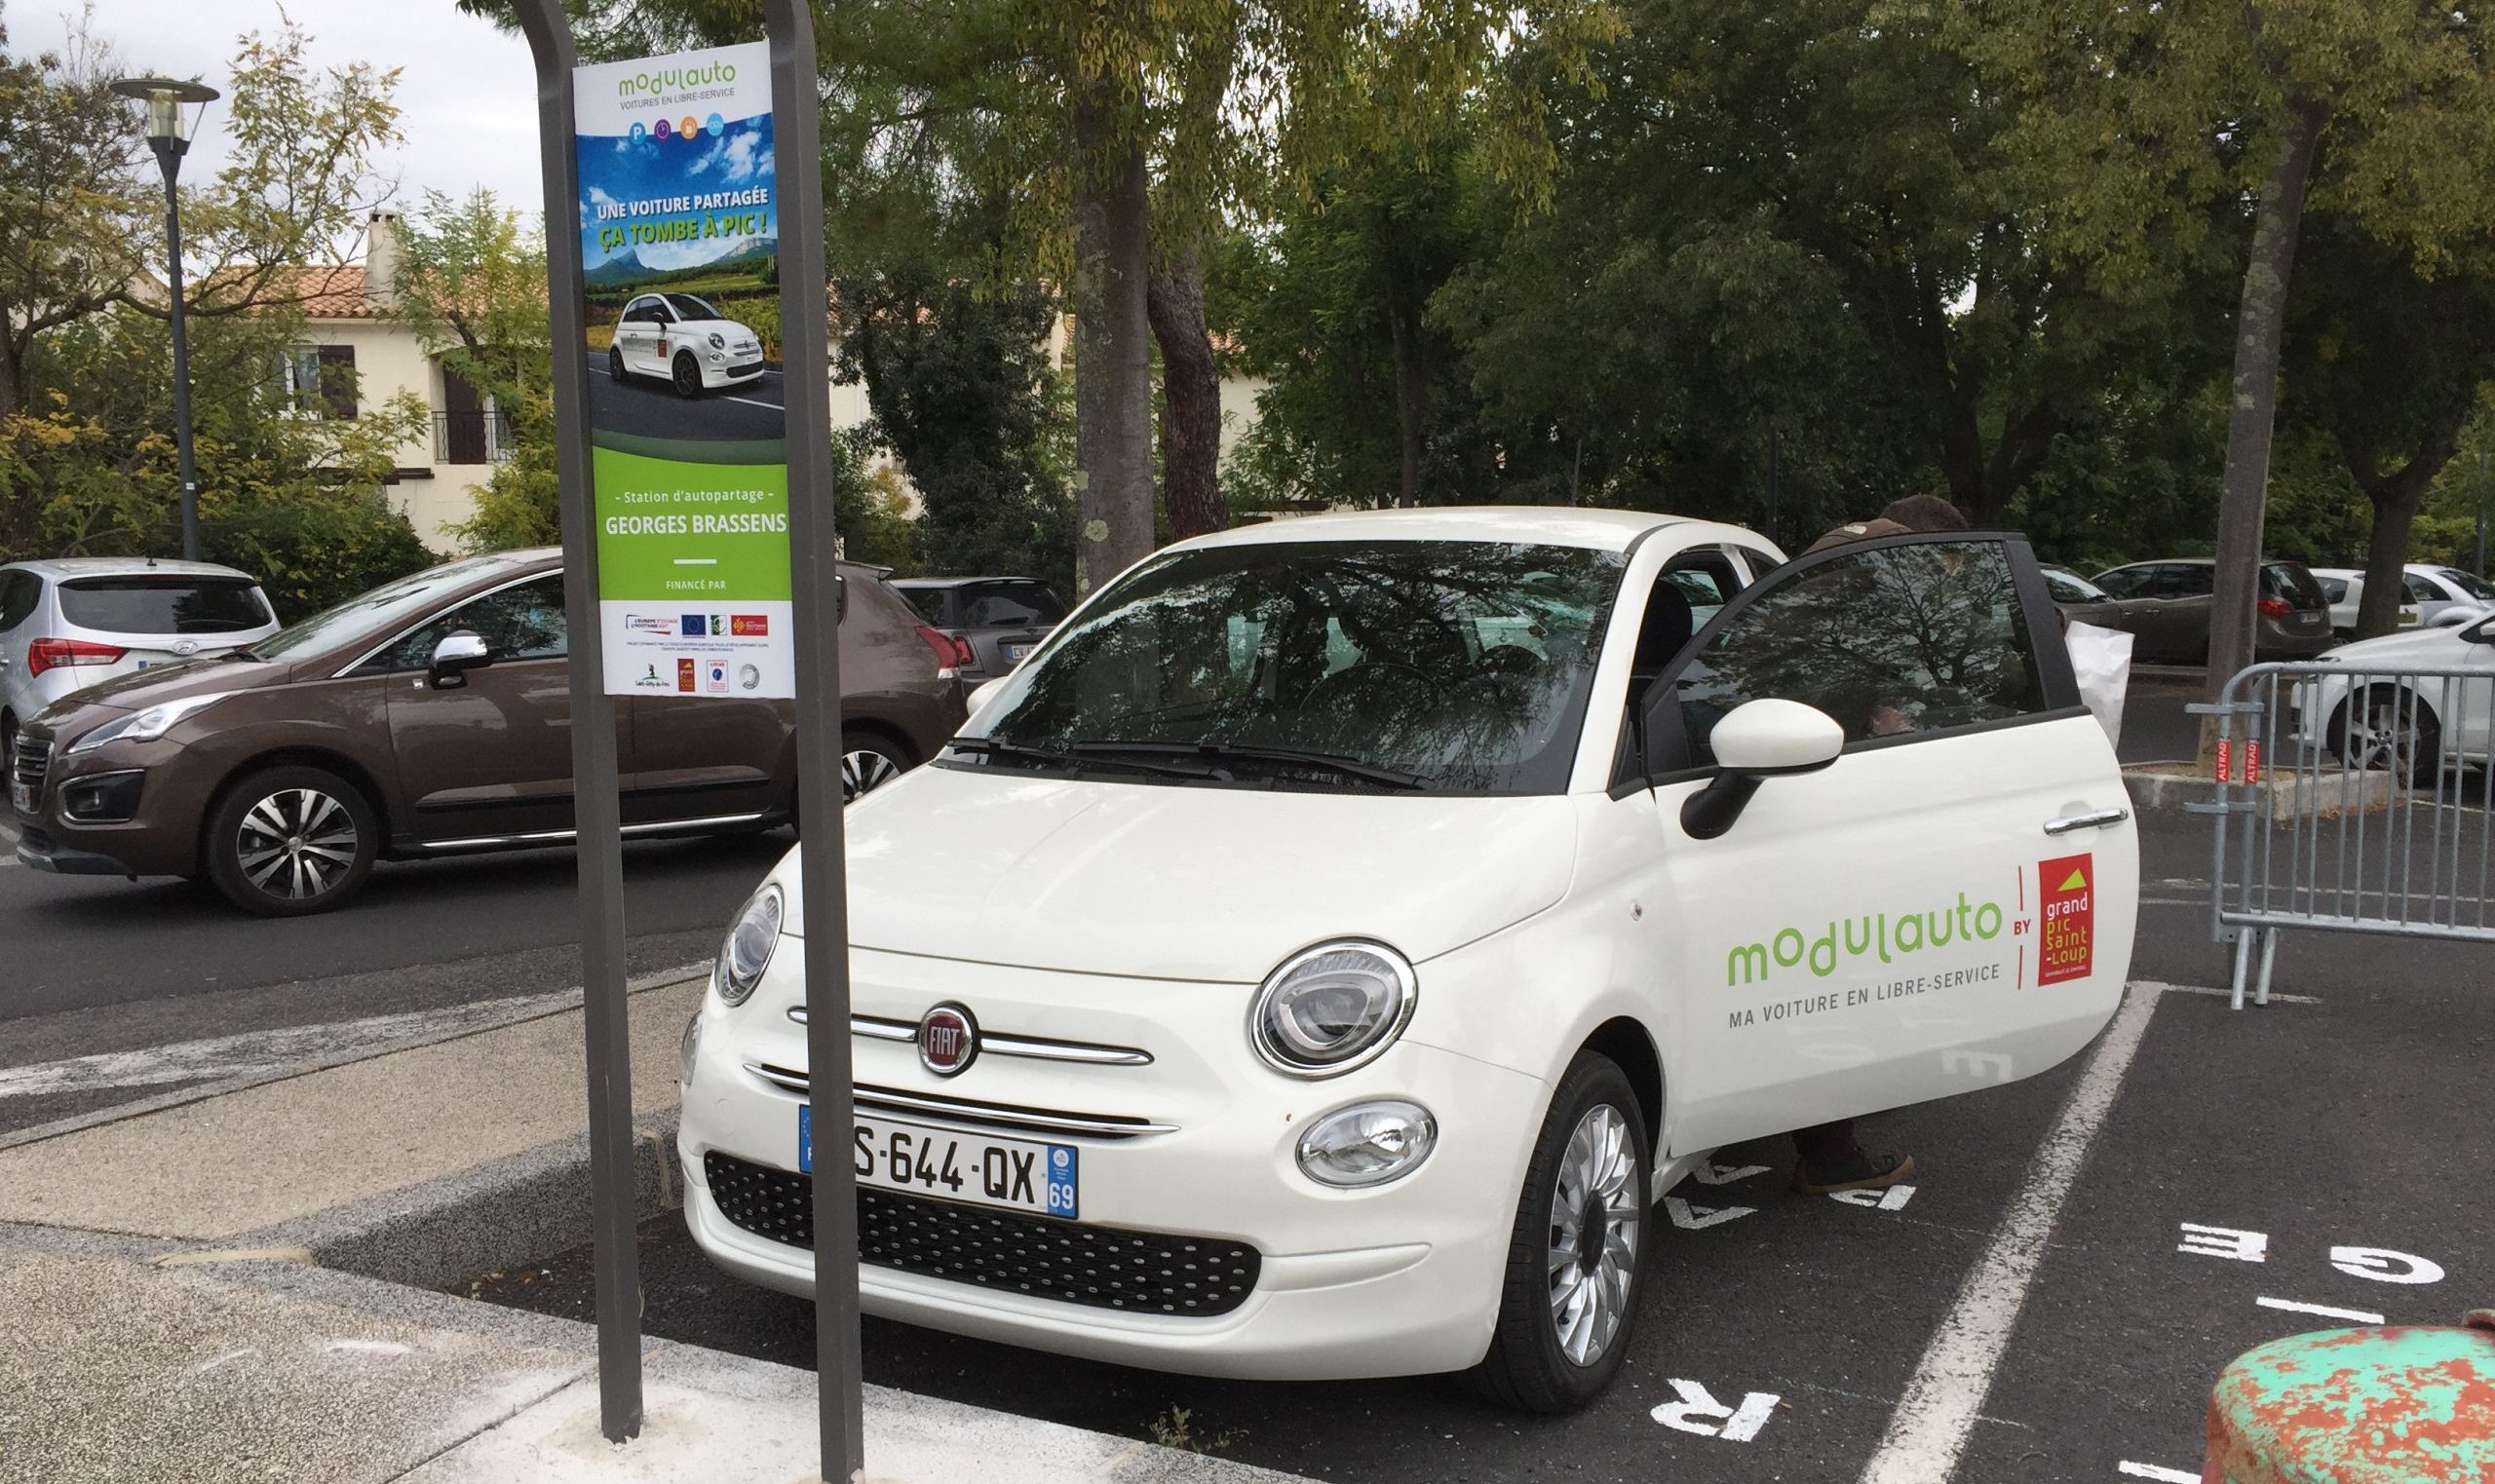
(21, 798)
(954, 1164)
(1016, 652)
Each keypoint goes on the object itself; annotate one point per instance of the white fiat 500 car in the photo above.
(683, 340)
(1317, 959)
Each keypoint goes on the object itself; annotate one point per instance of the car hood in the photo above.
(1183, 882)
(728, 327)
(141, 689)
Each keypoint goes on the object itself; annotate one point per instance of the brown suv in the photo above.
(283, 771)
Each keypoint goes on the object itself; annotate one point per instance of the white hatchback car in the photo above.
(68, 623)
(1318, 958)
(685, 340)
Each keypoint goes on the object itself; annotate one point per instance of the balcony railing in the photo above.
(471, 438)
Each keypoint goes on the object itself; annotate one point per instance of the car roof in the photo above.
(124, 566)
(2350, 573)
(1540, 524)
(923, 583)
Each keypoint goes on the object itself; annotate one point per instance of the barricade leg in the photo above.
(2243, 964)
(2269, 952)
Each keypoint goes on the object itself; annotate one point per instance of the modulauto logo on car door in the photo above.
(2067, 893)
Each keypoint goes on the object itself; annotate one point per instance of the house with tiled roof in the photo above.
(349, 326)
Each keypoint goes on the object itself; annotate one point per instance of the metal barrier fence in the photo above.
(2353, 799)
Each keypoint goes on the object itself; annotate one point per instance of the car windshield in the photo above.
(377, 614)
(690, 308)
(1008, 605)
(141, 604)
(1452, 666)
(2474, 585)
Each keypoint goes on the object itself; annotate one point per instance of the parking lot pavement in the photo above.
(2028, 1293)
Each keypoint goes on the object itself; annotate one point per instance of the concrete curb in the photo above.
(2283, 798)
(442, 1231)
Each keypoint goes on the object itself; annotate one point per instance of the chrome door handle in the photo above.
(2097, 821)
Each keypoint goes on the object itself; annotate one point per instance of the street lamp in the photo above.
(169, 134)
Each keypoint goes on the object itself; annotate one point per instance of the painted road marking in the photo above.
(1893, 1199)
(258, 1053)
(2165, 1475)
(1705, 1174)
(2352, 1315)
(2224, 1241)
(1698, 1218)
(1738, 1425)
(2384, 1265)
(1929, 1430)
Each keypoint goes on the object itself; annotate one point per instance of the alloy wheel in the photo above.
(862, 770)
(1595, 1227)
(2396, 736)
(688, 376)
(296, 844)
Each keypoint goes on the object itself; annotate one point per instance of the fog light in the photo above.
(103, 798)
(1367, 1144)
(690, 1046)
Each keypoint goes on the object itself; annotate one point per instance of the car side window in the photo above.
(2421, 591)
(1898, 640)
(2334, 590)
(2125, 582)
(20, 593)
(522, 623)
(2184, 580)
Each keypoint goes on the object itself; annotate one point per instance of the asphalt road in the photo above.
(2356, 1114)
(648, 407)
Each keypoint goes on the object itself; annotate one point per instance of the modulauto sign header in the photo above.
(680, 259)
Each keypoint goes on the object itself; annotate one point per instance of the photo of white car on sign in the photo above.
(1318, 957)
(685, 341)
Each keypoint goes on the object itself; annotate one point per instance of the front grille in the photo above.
(1099, 1266)
(32, 762)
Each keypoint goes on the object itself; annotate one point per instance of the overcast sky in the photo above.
(467, 93)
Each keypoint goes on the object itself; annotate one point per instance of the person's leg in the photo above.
(1833, 1159)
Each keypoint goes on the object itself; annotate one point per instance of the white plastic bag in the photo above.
(2102, 659)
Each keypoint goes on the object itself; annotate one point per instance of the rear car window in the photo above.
(2293, 581)
(928, 601)
(139, 604)
(989, 604)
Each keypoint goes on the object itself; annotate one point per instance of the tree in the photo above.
(2137, 119)
(70, 218)
(962, 394)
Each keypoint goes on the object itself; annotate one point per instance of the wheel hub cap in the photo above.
(296, 844)
(1595, 1222)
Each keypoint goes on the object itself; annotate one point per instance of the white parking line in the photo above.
(2164, 1475)
(2352, 1315)
(1929, 1430)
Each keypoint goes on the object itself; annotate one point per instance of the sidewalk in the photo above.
(168, 1315)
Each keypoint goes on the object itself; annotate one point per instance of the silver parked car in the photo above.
(80, 621)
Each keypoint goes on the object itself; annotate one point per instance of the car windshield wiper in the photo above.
(997, 747)
(1228, 752)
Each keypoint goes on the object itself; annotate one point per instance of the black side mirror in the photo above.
(454, 657)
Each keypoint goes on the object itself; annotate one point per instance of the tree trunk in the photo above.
(1112, 346)
(2260, 322)
(1412, 402)
(2397, 498)
(1191, 398)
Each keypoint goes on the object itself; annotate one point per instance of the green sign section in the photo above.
(669, 529)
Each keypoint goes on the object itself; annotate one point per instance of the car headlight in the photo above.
(147, 725)
(1367, 1144)
(1332, 1007)
(749, 947)
(718, 342)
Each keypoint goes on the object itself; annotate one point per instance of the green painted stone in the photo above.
(2397, 1405)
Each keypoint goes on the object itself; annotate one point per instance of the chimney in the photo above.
(381, 244)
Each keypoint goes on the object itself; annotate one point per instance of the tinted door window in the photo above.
(2183, 580)
(163, 605)
(20, 592)
(2421, 591)
(523, 622)
(2125, 582)
(1907, 639)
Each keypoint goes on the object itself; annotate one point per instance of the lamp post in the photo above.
(169, 134)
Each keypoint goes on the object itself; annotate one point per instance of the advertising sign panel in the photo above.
(680, 258)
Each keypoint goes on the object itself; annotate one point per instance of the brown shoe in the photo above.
(1860, 1172)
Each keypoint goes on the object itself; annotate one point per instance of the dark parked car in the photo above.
(430, 716)
(2165, 605)
(997, 619)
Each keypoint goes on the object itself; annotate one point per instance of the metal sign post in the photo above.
(805, 354)
(692, 567)
(596, 810)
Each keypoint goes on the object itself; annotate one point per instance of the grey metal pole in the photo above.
(596, 810)
(797, 127)
(1772, 512)
(169, 157)
(2482, 513)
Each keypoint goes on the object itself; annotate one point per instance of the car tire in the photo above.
(8, 748)
(2399, 734)
(290, 841)
(686, 374)
(615, 370)
(1556, 1349)
(869, 760)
